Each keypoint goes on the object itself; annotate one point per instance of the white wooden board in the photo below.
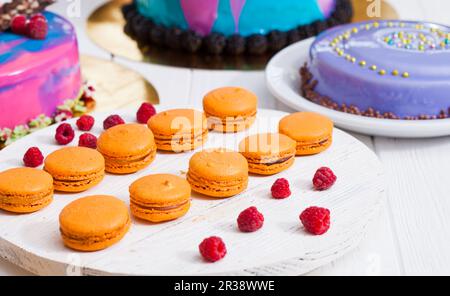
(281, 247)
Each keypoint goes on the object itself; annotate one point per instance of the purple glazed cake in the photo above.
(386, 69)
(231, 27)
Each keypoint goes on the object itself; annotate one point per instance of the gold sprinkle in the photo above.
(390, 24)
(382, 72)
(362, 63)
(405, 75)
(341, 53)
(376, 24)
(395, 72)
(402, 25)
(353, 60)
(433, 30)
(348, 57)
(373, 67)
(355, 30)
(367, 26)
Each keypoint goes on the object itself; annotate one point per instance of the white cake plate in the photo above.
(281, 247)
(283, 80)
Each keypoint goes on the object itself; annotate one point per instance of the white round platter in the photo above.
(281, 247)
(283, 80)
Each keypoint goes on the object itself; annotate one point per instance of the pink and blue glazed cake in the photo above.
(386, 69)
(231, 26)
(38, 75)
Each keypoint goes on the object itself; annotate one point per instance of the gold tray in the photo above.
(105, 27)
(116, 87)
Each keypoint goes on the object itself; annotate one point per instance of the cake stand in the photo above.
(281, 247)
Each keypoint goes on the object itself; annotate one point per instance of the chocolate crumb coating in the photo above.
(217, 44)
(307, 89)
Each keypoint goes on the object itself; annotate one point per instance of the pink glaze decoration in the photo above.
(39, 75)
(236, 9)
(326, 6)
(200, 14)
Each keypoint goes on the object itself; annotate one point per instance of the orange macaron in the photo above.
(160, 197)
(127, 148)
(25, 190)
(75, 169)
(179, 130)
(268, 154)
(312, 132)
(218, 173)
(230, 109)
(94, 223)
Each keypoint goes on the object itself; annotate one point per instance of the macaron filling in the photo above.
(203, 185)
(271, 162)
(181, 142)
(128, 164)
(89, 240)
(301, 145)
(11, 201)
(230, 122)
(154, 207)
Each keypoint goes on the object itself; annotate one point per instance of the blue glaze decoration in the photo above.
(59, 32)
(257, 16)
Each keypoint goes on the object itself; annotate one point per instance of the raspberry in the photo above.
(111, 121)
(37, 27)
(324, 179)
(88, 140)
(37, 16)
(33, 157)
(64, 134)
(19, 25)
(280, 189)
(145, 112)
(316, 220)
(85, 123)
(212, 249)
(250, 220)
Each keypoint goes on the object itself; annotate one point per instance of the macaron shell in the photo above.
(93, 223)
(214, 188)
(75, 169)
(178, 122)
(230, 102)
(313, 132)
(78, 186)
(25, 190)
(74, 163)
(160, 197)
(126, 140)
(219, 165)
(160, 190)
(96, 243)
(306, 126)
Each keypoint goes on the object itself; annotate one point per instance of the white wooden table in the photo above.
(413, 234)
